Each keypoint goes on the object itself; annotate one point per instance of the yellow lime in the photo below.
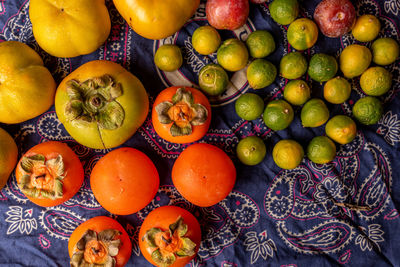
(284, 11)
(367, 28)
(376, 81)
(337, 90)
(260, 44)
(314, 113)
(278, 115)
(232, 55)
(321, 150)
(385, 51)
(261, 73)
(354, 60)
(287, 154)
(293, 65)
(341, 129)
(206, 40)
(249, 106)
(322, 67)
(213, 79)
(8, 156)
(168, 57)
(297, 92)
(302, 34)
(251, 150)
(368, 110)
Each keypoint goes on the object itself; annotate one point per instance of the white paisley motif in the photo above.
(20, 220)
(259, 245)
(367, 240)
(50, 127)
(392, 6)
(389, 127)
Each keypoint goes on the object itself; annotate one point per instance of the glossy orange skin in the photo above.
(204, 174)
(124, 181)
(161, 218)
(163, 130)
(99, 224)
(73, 168)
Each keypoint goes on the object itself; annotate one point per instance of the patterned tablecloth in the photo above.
(272, 217)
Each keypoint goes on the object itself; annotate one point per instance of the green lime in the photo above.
(260, 44)
(321, 150)
(287, 154)
(168, 57)
(341, 129)
(376, 81)
(261, 73)
(366, 29)
(278, 115)
(385, 51)
(314, 113)
(297, 92)
(368, 110)
(284, 11)
(213, 79)
(251, 150)
(206, 40)
(322, 67)
(249, 106)
(302, 34)
(337, 90)
(232, 55)
(293, 65)
(354, 60)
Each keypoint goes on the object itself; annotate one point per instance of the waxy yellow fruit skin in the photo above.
(26, 86)
(8, 156)
(156, 19)
(69, 28)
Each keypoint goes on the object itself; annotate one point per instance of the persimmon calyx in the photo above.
(165, 246)
(94, 100)
(97, 249)
(42, 178)
(182, 112)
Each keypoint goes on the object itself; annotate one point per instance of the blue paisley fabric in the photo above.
(273, 217)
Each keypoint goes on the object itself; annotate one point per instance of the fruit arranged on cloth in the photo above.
(124, 181)
(297, 92)
(169, 236)
(354, 60)
(278, 115)
(302, 34)
(249, 106)
(260, 44)
(287, 154)
(8, 156)
(293, 65)
(284, 11)
(168, 57)
(314, 113)
(181, 114)
(203, 174)
(368, 110)
(337, 90)
(227, 14)
(341, 129)
(251, 150)
(321, 150)
(206, 40)
(376, 81)
(26, 86)
(367, 28)
(385, 51)
(335, 17)
(261, 73)
(69, 28)
(49, 174)
(99, 241)
(213, 79)
(232, 55)
(156, 19)
(101, 104)
(322, 67)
